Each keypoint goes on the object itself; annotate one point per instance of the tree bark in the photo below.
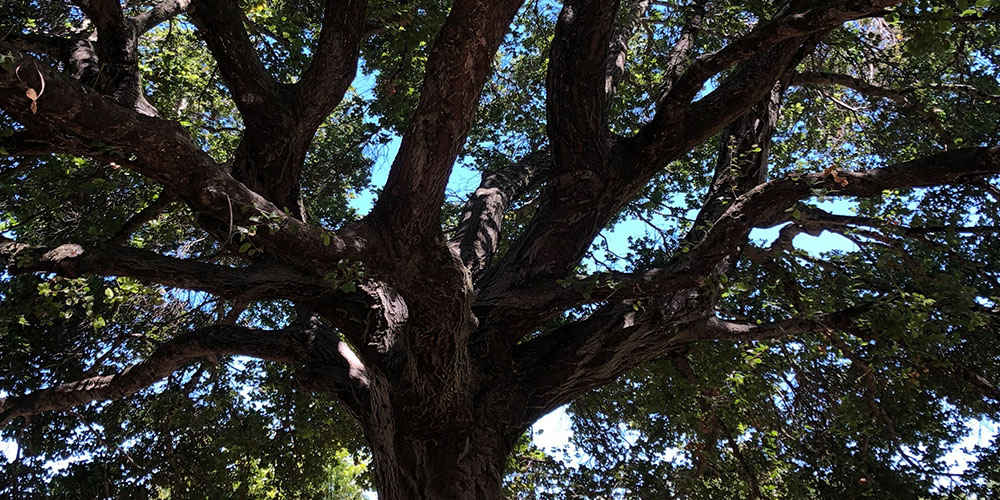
(459, 463)
(434, 450)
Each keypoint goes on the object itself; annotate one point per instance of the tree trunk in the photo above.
(438, 448)
(450, 462)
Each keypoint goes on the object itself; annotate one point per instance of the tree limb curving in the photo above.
(291, 345)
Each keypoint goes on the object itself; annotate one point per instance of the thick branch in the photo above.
(478, 232)
(559, 365)
(280, 121)
(72, 260)
(620, 333)
(163, 151)
(576, 86)
(289, 345)
(457, 68)
(743, 155)
(334, 63)
(117, 55)
(575, 209)
(256, 93)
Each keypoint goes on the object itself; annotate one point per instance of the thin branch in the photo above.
(52, 46)
(682, 49)
(618, 51)
(23, 144)
(161, 12)
(786, 25)
(719, 329)
(147, 214)
(766, 204)
(987, 388)
(898, 97)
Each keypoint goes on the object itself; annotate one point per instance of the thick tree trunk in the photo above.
(439, 448)
(447, 464)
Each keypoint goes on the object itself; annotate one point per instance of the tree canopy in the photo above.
(197, 302)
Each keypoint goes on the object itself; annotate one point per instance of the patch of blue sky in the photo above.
(979, 433)
(815, 246)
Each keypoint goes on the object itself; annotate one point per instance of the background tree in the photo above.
(181, 254)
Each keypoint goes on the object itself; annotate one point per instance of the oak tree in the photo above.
(194, 306)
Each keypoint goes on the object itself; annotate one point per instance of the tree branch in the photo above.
(678, 127)
(334, 63)
(52, 46)
(570, 216)
(576, 206)
(765, 205)
(816, 219)
(576, 84)
(987, 388)
(571, 359)
(682, 49)
(457, 68)
(786, 25)
(148, 213)
(865, 88)
(299, 345)
(72, 260)
(116, 71)
(256, 93)
(25, 144)
(481, 222)
(719, 329)
(618, 51)
(67, 114)
(559, 365)
(163, 11)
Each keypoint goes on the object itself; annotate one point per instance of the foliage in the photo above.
(867, 410)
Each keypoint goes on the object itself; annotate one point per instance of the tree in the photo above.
(179, 244)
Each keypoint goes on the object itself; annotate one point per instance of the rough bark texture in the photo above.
(445, 364)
